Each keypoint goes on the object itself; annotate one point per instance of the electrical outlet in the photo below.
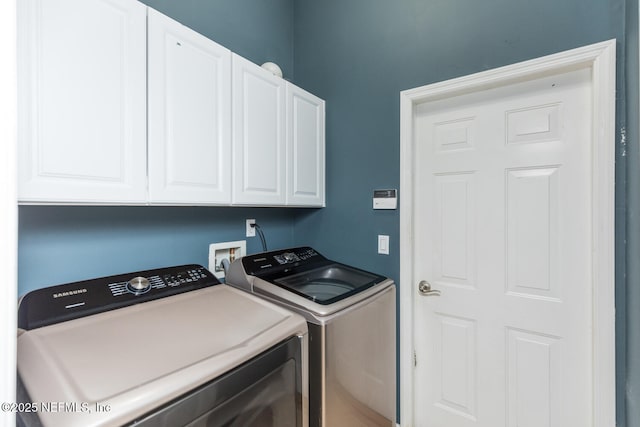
(226, 250)
(251, 231)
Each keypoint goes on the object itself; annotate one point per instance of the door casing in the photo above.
(600, 58)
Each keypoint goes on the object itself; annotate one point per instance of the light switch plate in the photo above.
(383, 244)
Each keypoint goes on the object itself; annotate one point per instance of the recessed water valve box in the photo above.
(225, 250)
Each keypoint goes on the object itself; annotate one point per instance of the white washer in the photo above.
(165, 347)
(351, 316)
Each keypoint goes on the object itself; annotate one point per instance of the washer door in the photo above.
(329, 283)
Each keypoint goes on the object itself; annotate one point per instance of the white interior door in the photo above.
(502, 227)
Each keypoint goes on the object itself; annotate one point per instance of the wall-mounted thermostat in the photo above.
(385, 199)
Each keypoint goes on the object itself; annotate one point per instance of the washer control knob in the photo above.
(139, 285)
(289, 256)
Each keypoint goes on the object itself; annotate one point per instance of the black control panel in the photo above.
(268, 263)
(60, 303)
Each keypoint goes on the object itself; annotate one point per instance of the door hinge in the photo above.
(415, 359)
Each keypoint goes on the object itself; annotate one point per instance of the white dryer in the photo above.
(166, 347)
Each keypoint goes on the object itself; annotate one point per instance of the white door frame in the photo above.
(600, 58)
(8, 207)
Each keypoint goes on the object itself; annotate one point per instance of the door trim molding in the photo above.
(601, 59)
(8, 206)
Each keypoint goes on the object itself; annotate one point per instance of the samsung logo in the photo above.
(69, 293)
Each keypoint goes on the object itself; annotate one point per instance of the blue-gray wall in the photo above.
(358, 55)
(60, 244)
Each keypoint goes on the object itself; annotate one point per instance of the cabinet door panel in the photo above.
(189, 115)
(305, 148)
(258, 135)
(82, 95)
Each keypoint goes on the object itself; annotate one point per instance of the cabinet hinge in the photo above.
(415, 359)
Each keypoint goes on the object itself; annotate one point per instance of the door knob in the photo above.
(424, 288)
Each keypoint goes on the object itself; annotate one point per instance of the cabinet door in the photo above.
(189, 115)
(82, 101)
(258, 135)
(305, 148)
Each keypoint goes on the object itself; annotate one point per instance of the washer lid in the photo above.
(136, 358)
(329, 283)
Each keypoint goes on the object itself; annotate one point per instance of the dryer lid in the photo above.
(136, 358)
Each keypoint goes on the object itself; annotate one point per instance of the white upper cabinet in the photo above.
(305, 148)
(82, 101)
(189, 115)
(96, 75)
(259, 144)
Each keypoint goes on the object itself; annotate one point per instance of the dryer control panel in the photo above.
(60, 303)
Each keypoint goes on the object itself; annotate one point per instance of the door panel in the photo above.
(533, 370)
(456, 388)
(532, 232)
(455, 246)
(503, 220)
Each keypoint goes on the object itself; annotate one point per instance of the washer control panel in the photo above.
(60, 303)
(270, 262)
(286, 257)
